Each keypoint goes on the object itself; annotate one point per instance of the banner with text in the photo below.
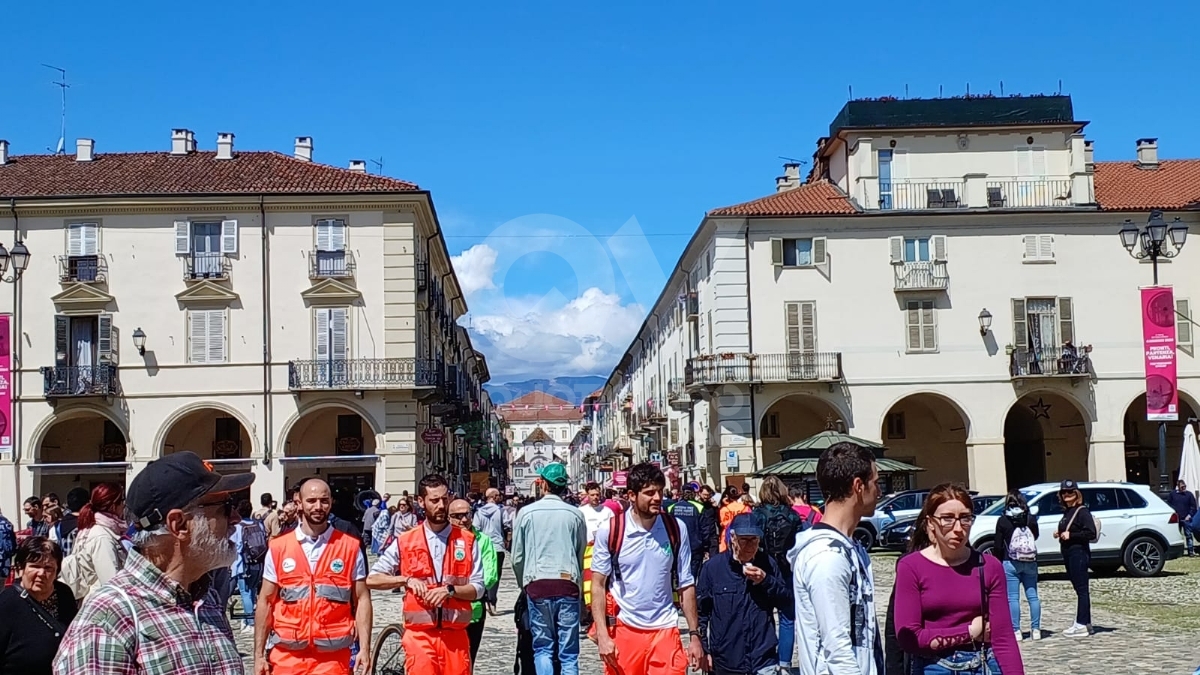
(6, 430)
(1158, 339)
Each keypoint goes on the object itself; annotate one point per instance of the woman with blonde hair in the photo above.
(1075, 534)
(780, 523)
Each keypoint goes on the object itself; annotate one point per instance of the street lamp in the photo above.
(139, 340)
(985, 322)
(1150, 242)
(18, 260)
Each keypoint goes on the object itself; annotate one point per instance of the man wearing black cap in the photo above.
(149, 619)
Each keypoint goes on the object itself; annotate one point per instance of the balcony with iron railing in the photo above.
(764, 368)
(677, 394)
(905, 195)
(360, 374)
(1028, 192)
(330, 264)
(80, 381)
(199, 266)
(85, 269)
(421, 271)
(921, 276)
(693, 303)
(1067, 361)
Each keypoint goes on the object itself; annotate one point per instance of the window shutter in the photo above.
(339, 333)
(183, 237)
(1066, 321)
(896, 245)
(899, 165)
(792, 312)
(229, 236)
(938, 243)
(1024, 161)
(90, 234)
(1020, 324)
(198, 336)
(106, 341)
(62, 339)
(75, 239)
(1030, 242)
(323, 232)
(928, 326)
(1183, 325)
(808, 326)
(914, 326)
(321, 335)
(777, 252)
(337, 235)
(216, 336)
(1037, 161)
(1046, 247)
(819, 254)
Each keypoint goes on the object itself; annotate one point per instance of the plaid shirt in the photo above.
(170, 633)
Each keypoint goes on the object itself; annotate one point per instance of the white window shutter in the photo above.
(1030, 242)
(913, 321)
(777, 252)
(792, 316)
(808, 326)
(229, 236)
(1045, 247)
(75, 239)
(91, 239)
(1183, 325)
(323, 231)
(1020, 324)
(1024, 161)
(198, 336)
(899, 165)
(183, 237)
(819, 250)
(339, 334)
(938, 243)
(321, 335)
(928, 326)
(216, 336)
(107, 341)
(1066, 321)
(1037, 161)
(896, 246)
(337, 235)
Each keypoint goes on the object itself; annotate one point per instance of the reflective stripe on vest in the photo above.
(416, 562)
(313, 606)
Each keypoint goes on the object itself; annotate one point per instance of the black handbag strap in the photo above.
(47, 618)
(983, 594)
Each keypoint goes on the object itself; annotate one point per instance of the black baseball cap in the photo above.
(1068, 485)
(173, 482)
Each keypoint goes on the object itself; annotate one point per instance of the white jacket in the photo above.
(837, 632)
(95, 558)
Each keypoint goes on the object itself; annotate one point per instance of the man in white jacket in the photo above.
(837, 632)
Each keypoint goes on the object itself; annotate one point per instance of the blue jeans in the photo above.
(247, 594)
(1019, 574)
(958, 663)
(787, 637)
(1186, 529)
(554, 623)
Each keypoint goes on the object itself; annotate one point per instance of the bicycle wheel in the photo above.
(388, 656)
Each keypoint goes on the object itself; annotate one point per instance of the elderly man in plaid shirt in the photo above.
(150, 619)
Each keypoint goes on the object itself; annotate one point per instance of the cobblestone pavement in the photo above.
(1143, 626)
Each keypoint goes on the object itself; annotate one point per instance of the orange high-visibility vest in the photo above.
(313, 607)
(417, 563)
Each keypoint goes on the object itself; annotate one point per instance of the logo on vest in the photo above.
(460, 550)
(289, 565)
(337, 566)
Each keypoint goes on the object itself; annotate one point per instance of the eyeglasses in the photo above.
(948, 521)
(460, 516)
(226, 505)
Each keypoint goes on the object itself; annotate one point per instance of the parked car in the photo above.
(1138, 531)
(895, 535)
(896, 506)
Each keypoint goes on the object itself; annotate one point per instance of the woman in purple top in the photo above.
(947, 618)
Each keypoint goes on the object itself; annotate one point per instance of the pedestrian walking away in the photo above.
(440, 566)
(491, 520)
(737, 594)
(1184, 503)
(951, 600)
(1075, 533)
(837, 632)
(640, 557)
(549, 540)
(460, 516)
(314, 604)
(780, 524)
(1016, 548)
(688, 511)
(149, 619)
(250, 540)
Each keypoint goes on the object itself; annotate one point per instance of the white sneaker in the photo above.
(1035, 634)
(1078, 630)
(248, 629)
(1019, 635)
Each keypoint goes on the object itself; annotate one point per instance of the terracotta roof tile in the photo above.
(538, 436)
(161, 173)
(1122, 186)
(541, 406)
(819, 198)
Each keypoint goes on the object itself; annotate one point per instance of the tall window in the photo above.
(885, 179)
(916, 249)
(921, 318)
(206, 336)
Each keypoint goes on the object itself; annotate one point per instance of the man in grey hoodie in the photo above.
(837, 632)
(491, 519)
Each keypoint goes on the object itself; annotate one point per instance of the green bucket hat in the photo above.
(554, 473)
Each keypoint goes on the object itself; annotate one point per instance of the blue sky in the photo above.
(537, 120)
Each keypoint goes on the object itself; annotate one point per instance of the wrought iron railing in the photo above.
(677, 389)
(87, 269)
(921, 276)
(931, 194)
(421, 270)
(362, 374)
(198, 265)
(764, 368)
(330, 264)
(1028, 192)
(1066, 361)
(80, 381)
(693, 303)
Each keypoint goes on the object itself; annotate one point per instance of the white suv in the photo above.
(1138, 530)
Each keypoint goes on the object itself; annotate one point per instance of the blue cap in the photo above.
(745, 525)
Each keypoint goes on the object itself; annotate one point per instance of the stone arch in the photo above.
(1085, 411)
(837, 407)
(944, 398)
(929, 429)
(324, 404)
(1040, 443)
(798, 416)
(1141, 440)
(174, 418)
(33, 450)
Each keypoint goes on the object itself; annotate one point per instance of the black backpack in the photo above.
(779, 525)
(254, 543)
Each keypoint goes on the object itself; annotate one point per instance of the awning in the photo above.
(341, 460)
(72, 468)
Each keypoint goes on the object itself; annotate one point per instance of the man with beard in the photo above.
(442, 569)
(149, 619)
(314, 603)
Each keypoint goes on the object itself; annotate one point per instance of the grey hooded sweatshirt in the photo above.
(837, 632)
(490, 520)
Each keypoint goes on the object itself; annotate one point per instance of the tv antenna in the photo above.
(61, 83)
(378, 165)
(792, 160)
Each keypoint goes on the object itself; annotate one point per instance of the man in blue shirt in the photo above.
(738, 592)
(688, 511)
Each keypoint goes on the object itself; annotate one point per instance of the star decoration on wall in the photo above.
(1040, 409)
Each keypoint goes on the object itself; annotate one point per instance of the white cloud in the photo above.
(475, 269)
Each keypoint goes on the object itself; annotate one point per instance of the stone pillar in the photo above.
(398, 448)
(1106, 459)
(985, 466)
(734, 427)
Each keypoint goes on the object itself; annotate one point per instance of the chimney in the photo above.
(790, 178)
(224, 145)
(3, 153)
(1147, 153)
(304, 148)
(84, 148)
(358, 166)
(179, 141)
(191, 141)
(1089, 154)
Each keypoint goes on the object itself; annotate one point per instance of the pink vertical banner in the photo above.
(1158, 339)
(619, 479)
(6, 430)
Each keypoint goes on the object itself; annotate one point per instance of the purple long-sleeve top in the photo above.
(935, 605)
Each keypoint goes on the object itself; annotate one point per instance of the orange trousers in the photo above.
(434, 651)
(309, 662)
(647, 652)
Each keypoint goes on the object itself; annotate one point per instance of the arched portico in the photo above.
(336, 441)
(791, 418)
(1046, 438)
(929, 430)
(1141, 441)
(213, 431)
(79, 446)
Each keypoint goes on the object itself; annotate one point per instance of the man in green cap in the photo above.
(549, 538)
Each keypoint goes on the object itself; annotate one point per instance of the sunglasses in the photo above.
(227, 505)
(460, 516)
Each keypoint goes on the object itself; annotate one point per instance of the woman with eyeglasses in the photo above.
(37, 610)
(951, 601)
(98, 552)
(1075, 533)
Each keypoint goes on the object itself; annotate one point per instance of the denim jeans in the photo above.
(247, 594)
(787, 637)
(958, 663)
(554, 623)
(1186, 530)
(1019, 574)
(1078, 558)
